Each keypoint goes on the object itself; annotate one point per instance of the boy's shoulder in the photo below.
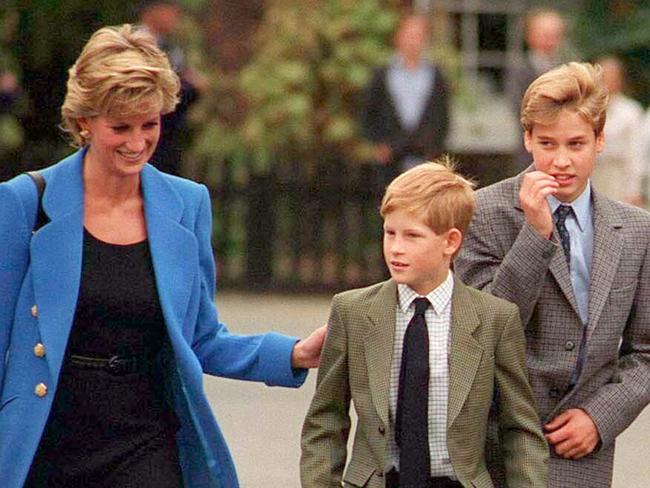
(620, 211)
(366, 295)
(499, 193)
(483, 302)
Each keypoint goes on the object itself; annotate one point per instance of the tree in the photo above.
(620, 28)
(297, 99)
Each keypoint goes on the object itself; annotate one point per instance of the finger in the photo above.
(558, 437)
(576, 452)
(538, 190)
(558, 421)
(564, 447)
(538, 176)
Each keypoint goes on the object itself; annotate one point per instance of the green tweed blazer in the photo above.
(486, 356)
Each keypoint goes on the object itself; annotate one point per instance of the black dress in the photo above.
(111, 427)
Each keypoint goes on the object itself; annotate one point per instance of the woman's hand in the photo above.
(306, 352)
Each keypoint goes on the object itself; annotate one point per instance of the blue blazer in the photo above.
(39, 283)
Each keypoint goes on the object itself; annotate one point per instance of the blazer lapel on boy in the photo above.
(607, 250)
(465, 352)
(379, 342)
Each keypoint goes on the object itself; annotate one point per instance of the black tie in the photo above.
(412, 417)
(561, 214)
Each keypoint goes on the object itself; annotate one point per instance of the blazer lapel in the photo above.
(558, 266)
(379, 347)
(607, 250)
(560, 271)
(174, 250)
(56, 257)
(465, 352)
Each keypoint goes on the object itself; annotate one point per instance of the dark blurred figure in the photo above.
(11, 95)
(161, 18)
(545, 32)
(406, 107)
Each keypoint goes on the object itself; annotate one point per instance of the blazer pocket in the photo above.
(7, 402)
(483, 480)
(623, 289)
(357, 474)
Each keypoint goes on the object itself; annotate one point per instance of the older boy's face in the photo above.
(415, 255)
(566, 150)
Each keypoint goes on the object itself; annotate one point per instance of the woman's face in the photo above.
(122, 145)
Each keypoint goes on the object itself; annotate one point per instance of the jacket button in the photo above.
(41, 390)
(35, 311)
(39, 350)
(380, 473)
(554, 392)
(570, 345)
(382, 430)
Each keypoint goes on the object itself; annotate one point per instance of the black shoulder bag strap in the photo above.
(41, 216)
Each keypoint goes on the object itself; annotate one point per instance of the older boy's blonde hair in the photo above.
(576, 87)
(435, 192)
(121, 72)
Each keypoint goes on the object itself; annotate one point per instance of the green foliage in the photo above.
(620, 28)
(299, 95)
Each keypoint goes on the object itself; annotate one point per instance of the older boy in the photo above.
(421, 391)
(577, 265)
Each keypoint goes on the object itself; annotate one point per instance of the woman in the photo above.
(107, 319)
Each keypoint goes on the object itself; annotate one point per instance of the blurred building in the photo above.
(488, 38)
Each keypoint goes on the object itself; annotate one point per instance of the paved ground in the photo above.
(262, 425)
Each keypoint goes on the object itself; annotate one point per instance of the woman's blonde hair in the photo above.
(435, 192)
(577, 87)
(120, 72)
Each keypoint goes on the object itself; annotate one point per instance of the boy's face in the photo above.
(415, 255)
(565, 149)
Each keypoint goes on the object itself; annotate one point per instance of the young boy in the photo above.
(420, 356)
(578, 266)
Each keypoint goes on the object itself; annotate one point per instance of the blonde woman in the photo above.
(107, 319)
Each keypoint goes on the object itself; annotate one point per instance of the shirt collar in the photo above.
(581, 206)
(397, 62)
(440, 297)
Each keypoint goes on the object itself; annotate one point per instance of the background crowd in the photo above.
(294, 116)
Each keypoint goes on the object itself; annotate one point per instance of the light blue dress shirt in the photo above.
(410, 90)
(580, 226)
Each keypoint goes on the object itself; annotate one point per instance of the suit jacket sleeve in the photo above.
(374, 99)
(327, 425)
(440, 115)
(524, 447)
(265, 357)
(14, 258)
(511, 273)
(615, 405)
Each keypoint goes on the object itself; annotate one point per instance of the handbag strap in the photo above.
(41, 216)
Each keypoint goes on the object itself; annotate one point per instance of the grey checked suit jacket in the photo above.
(487, 348)
(502, 254)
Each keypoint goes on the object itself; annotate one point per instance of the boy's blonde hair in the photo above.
(120, 72)
(576, 87)
(435, 192)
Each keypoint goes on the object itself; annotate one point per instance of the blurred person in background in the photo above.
(545, 33)
(107, 314)
(161, 19)
(621, 166)
(9, 91)
(406, 106)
